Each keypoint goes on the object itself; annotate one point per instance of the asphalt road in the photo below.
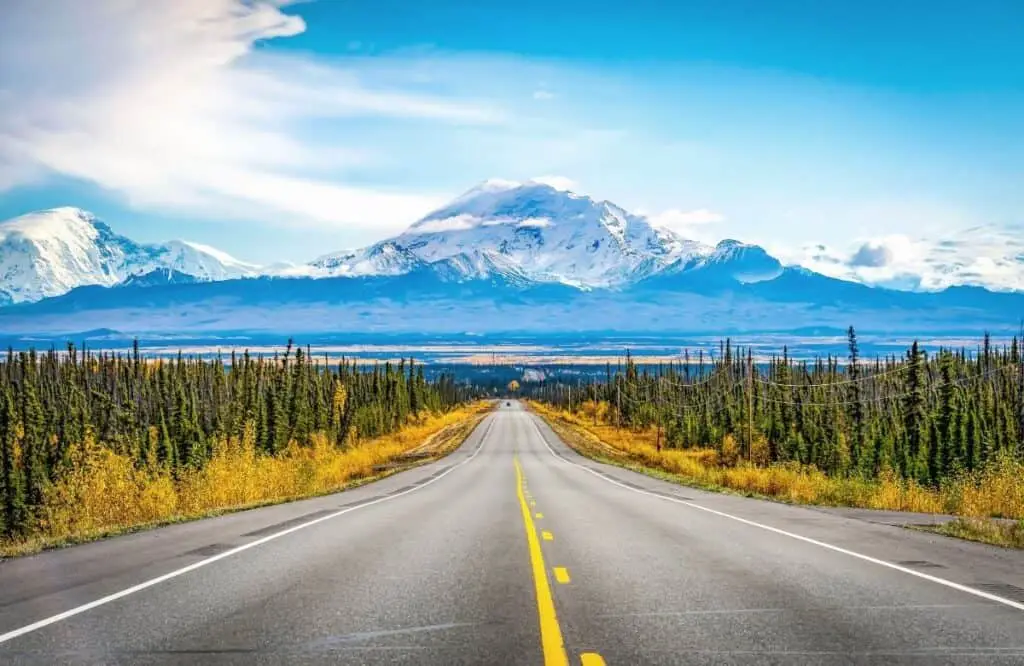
(503, 553)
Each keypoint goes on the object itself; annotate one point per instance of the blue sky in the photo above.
(283, 132)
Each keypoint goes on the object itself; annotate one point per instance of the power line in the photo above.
(865, 378)
(898, 396)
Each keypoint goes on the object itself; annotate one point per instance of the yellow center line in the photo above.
(562, 575)
(591, 659)
(540, 515)
(548, 536)
(550, 633)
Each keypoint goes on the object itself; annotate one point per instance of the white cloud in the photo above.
(989, 256)
(872, 255)
(454, 223)
(674, 217)
(543, 95)
(171, 105)
(561, 183)
(687, 223)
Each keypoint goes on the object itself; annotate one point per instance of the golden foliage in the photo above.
(104, 492)
(998, 491)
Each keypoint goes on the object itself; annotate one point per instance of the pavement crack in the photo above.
(385, 633)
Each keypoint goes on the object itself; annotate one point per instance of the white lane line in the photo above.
(35, 626)
(867, 558)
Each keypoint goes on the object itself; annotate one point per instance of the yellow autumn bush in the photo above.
(997, 491)
(103, 491)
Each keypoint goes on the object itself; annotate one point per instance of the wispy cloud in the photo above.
(170, 105)
(562, 183)
(691, 224)
(990, 256)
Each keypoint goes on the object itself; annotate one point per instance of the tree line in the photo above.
(924, 416)
(167, 414)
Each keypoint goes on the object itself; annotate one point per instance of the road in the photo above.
(515, 550)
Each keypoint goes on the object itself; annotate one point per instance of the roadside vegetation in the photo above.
(997, 532)
(93, 444)
(934, 434)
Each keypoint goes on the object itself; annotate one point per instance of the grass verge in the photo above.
(1008, 534)
(107, 496)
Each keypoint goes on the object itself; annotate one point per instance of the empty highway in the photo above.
(515, 550)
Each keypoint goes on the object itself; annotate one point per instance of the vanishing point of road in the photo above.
(516, 550)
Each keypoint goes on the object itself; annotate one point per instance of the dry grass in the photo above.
(996, 492)
(995, 532)
(106, 494)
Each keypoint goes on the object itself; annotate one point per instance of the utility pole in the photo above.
(570, 398)
(750, 403)
(1020, 391)
(618, 404)
(660, 412)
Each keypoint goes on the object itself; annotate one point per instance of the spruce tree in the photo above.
(854, 398)
(12, 477)
(914, 415)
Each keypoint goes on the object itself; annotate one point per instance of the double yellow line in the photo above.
(552, 643)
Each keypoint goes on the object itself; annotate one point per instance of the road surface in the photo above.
(515, 550)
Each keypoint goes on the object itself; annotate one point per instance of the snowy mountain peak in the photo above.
(50, 252)
(202, 262)
(54, 225)
(743, 262)
(529, 231)
(495, 202)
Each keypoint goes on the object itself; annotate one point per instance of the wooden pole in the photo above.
(618, 404)
(750, 403)
(660, 412)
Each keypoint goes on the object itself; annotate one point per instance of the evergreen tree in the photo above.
(12, 477)
(855, 404)
(914, 415)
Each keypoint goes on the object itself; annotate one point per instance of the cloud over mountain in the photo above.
(871, 255)
(990, 256)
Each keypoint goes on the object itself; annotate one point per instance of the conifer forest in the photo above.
(926, 417)
(169, 417)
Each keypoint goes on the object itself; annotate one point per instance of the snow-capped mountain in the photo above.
(205, 263)
(50, 252)
(730, 261)
(502, 257)
(384, 258)
(528, 231)
(499, 244)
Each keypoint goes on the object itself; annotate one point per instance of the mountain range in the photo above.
(503, 256)
(51, 252)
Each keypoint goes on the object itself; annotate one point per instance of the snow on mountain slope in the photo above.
(202, 261)
(384, 258)
(741, 262)
(50, 252)
(530, 230)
